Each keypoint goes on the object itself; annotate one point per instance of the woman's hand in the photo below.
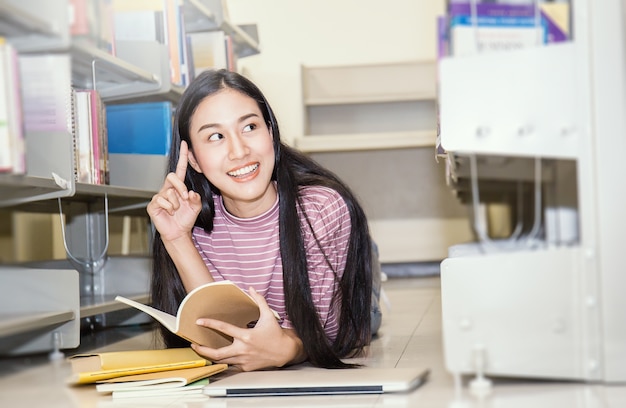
(264, 346)
(174, 209)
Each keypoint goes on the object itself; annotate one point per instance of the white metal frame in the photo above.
(552, 312)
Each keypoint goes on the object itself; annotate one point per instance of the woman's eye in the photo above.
(249, 128)
(215, 136)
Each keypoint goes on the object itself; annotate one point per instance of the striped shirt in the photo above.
(246, 251)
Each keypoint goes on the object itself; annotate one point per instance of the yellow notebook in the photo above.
(90, 368)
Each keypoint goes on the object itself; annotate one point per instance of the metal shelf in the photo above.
(40, 308)
(18, 189)
(37, 194)
(365, 141)
(199, 17)
(17, 323)
(112, 76)
(90, 307)
(29, 32)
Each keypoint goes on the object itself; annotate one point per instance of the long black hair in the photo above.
(292, 170)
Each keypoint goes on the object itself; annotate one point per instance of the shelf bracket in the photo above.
(90, 264)
(94, 85)
(479, 223)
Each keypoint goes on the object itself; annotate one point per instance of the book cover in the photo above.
(12, 145)
(6, 164)
(162, 382)
(222, 300)
(84, 139)
(231, 57)
(174, 41)
(89, 368)
(96, 151)
(185, 60)
(139, 128)
(142, 20)
(46, 83)
(99, 138)
(139, 25)
(73, 125)
(16, 119)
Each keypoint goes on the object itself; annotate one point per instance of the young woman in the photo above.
(240, 205)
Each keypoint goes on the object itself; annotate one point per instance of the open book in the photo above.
(221, 300)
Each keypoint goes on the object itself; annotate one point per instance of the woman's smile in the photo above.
(246, 172)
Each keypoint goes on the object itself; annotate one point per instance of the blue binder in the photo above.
(140, 128)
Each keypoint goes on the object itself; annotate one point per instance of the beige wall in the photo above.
(413, 215)
(329, 32)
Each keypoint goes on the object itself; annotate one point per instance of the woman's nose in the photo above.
(238, 148)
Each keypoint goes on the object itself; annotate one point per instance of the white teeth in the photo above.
(243, 171)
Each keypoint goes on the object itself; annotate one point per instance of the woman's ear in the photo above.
(193, 163)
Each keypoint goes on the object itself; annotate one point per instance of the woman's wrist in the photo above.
(297, 354)
(178, 241)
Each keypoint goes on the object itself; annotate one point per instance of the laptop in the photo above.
(317, 381)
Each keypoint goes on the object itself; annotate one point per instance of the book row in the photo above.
(473, 26)
(104, 23)
(38, 97)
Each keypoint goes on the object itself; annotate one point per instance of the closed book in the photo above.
(139, 138)
(46, 80)
(5, 137)
(139, 128)
(90, 368)
(99, 137)
(16, 120)
(140, 25)
(194, 388)
(84, 138)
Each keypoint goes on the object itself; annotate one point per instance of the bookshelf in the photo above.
(375, 125)
(211, 15)
(40, 309)
(79, 291)
(538, 306)
(369, 106)
(29, 31)
(118, 79)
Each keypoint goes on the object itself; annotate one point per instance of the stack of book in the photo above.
(144, 373)
(477, 27)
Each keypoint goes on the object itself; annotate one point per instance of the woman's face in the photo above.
(233, 148)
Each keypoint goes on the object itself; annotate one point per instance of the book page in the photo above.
(189, 389)
(160, 380)
(165, 319)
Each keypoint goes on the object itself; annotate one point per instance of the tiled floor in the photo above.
(410, 336)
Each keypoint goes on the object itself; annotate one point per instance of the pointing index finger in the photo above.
(183, 158)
